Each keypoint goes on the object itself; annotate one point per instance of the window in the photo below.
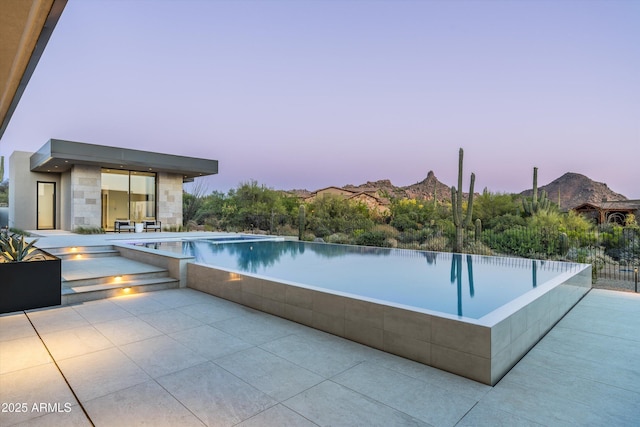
(127, 195)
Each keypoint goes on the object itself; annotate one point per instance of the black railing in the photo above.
(613, 251)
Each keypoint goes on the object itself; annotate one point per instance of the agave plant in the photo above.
(13, 249)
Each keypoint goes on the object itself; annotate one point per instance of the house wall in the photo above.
(23, 192)
(65, 201)
(169, 199)
(78, 195)
(85, 209)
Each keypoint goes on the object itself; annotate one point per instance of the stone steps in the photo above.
(83, 252)
(78, 294)
(97, 272)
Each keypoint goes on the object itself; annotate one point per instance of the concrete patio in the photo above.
(181, 357)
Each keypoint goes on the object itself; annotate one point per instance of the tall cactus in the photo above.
(435, 193)
(534, 205)
(478, 230)
(456, 206)
(301, 222)
(1, 168)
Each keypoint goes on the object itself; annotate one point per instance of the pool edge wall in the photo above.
(484, 353)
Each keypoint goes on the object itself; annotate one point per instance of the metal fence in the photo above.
(613, 251)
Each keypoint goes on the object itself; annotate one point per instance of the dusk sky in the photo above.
(309, 94)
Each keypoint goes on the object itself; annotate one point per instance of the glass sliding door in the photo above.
(142, 196)
(127, 195)
(46, 206)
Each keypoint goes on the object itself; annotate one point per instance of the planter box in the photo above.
(30, 284)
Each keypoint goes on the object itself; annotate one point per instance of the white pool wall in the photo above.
(483, 350)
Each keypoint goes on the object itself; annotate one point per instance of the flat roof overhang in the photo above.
(58, 156)
(25, 28)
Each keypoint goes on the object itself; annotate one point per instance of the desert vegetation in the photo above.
(499, 224)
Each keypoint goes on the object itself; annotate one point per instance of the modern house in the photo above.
(66, 185)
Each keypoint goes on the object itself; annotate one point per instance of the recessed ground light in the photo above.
(117, 279)
(126, 290)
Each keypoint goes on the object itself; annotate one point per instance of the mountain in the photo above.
(425, 189)
(574, 189)
(383, 186)
(420, 190)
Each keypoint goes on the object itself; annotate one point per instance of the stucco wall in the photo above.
(23, 192)
(65, 201)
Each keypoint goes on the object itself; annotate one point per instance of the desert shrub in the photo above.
(404, 222)
(370, 238)
(390, 242)
(89, 230)
(437, 244)
(408, 236)
(286, 230)
(410, 245)
(478, 248)
(340, 238)
(524, 242)
(503, 222)
(386, 230)
(308, 236)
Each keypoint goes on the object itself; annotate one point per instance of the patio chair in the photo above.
(124, 224)
(152, 225)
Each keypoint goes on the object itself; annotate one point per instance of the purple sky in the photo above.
(308, 94)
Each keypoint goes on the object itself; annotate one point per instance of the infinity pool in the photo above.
(463, 285)
(472, 315)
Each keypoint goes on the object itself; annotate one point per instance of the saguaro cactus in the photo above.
(534, 205)
(563, 244)
(456, 206)
(301, 222)
(478, 229)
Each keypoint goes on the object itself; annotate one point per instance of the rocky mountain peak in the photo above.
(573, 189)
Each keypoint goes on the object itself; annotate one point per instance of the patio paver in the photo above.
(181, 357)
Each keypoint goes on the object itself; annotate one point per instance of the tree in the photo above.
(255, 206)
(192, 202)
(489, 207)
(333, 214)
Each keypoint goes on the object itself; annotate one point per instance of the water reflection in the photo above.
(412, 278)
(251, 257)
(456, 277)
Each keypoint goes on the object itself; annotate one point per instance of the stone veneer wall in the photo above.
(85, 210)
(169, 199)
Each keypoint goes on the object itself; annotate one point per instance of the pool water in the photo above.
(468, 286)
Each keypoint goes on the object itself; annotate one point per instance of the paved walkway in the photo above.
(181, 357)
